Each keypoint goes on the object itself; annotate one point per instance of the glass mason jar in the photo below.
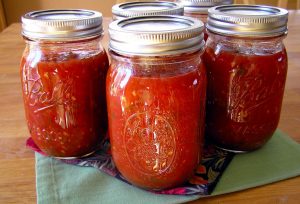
(247, 66)
(199, 9)
(145, 8)
(156, 92)
(63, 74)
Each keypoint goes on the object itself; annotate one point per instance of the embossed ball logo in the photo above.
(150, 142)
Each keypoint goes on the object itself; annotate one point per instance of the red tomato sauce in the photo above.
(65, 103)
(244, 97)
(156, 123)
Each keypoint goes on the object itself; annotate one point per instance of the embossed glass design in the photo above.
(156, 117)
(246, 79)
(64, 95)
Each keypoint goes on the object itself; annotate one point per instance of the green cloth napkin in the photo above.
(279, 159)
(61, 183)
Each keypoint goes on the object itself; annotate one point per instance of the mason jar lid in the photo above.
(62, 25)
(156, 35)
(146, 8)
(247, 20)
(201, 6)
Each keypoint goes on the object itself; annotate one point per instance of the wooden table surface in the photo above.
(17, 174)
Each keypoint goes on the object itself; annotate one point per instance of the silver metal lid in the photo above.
(247, 20)
(201, 6)
(156, 35)
(146, 8)
(55, 25)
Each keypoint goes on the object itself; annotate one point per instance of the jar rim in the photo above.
(201, 6)
(247, 20)
(146, 8)
(63, 24)
(156, 35)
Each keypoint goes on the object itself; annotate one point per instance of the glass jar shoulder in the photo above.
(228, 54)
(157, 66)
(62, 51)
(245, 46)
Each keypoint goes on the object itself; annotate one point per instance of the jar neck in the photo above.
(221, 37)
(81, 44)
(61, 51)
(246, 45)
(169, 65)
(155, 59)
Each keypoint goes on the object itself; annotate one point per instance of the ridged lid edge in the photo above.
(201, 6)
(155, 42)
(241, 24)
(119, 12)
(61, 29)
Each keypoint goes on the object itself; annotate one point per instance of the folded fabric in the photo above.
(62, 183)
(59, 183)
(279, 159)
(214, 161)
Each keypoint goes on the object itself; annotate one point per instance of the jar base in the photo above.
(232, 150)
(86, 155)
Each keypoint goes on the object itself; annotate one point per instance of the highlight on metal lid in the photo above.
(247, 20)
(63, 25)
(201, 6)
(146, 8)
(156, 35)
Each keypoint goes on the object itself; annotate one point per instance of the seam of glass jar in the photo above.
(240, 38)
(246, 37)
(87, 44)
(154, 58)
(63, 40)
(166, 53)
(274, 43)
(35, 51)
(150, 65)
